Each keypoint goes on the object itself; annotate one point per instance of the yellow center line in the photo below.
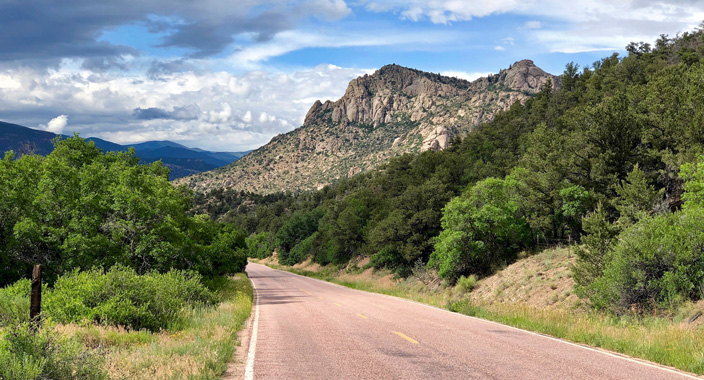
(361, 316)
(337, 304)
(320, 298)
(406, 337)
(306, 291)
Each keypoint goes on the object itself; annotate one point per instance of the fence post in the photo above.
(35, 306)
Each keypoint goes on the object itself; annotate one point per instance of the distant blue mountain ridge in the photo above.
(180, 159)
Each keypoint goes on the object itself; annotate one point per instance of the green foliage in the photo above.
(693, 174)
(120, 296)
(259, 245)
(467, 284)
(592, 256)
(482, 228)
(656, 263)
(14, 303)
(636, 198)
(301, 251)
(80, 208)
(297, 228)
(29, 355)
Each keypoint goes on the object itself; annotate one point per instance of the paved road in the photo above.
(309, 329)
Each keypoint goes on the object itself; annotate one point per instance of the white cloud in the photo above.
(210, 110)
(57, 124)
(584, 25)
(499, 48)
(221, 116)
(532, 24)
(251, 57)
(247, 118)
(463, 75)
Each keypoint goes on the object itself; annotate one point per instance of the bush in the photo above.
(121, 297)
(656, 263)
(25, 354)
(14, 303)
(466, 284)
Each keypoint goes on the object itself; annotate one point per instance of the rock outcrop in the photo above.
(393, 111)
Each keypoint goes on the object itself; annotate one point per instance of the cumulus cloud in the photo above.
(584, 25)
(213, 110)
(57, 124)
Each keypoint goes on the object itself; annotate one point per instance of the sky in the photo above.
(228, 75)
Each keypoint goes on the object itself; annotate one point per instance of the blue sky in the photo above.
(229, 75)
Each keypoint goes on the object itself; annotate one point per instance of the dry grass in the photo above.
(660, 340)
(200, 349)
(541, 280)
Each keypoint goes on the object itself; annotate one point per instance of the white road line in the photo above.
(601, 351)
(249, 369)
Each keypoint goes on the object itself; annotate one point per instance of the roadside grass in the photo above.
(198, 347)
(656, 339)
(665, 340)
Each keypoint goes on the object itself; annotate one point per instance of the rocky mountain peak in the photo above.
(393, 111)
(525, 76)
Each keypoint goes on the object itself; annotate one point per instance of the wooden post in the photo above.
(35, 306)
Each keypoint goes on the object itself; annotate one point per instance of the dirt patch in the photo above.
(382, 279)
(541, 280)
(309, 266)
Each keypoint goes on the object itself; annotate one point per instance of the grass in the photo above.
(198, 348)
(657, 339)
(651, 338)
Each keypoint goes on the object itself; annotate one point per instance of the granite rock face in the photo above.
(396, 110)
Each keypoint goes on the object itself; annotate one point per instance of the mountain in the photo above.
(396, 110)
(181, 160)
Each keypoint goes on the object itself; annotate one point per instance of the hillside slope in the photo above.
(396, 110)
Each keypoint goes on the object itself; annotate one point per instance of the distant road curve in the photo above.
(309, 329)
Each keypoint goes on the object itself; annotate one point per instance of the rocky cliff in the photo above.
(393, 111)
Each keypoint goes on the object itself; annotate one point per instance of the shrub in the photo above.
(14, 303)
(25, 354)
(656, 263)
(466, 284)
(121, 297)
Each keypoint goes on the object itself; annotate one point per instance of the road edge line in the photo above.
(249, 369)
(603, 351)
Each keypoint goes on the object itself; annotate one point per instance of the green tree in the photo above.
(482, 228)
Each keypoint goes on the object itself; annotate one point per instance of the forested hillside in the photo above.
(609, 159)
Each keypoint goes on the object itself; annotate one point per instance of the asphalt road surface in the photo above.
(309, 329)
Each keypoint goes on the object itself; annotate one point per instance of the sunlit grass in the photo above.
(653, 338)
(198, 348)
